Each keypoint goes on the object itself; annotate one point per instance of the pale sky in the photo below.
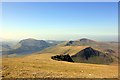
(60, 20)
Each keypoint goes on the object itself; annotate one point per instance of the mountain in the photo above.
(90, 55)
(81, 42)
(109, 47)
(87, 55)
(28, 46)
(5, 47)
(107, 51)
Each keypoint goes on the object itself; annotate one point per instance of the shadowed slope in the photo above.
(89, 55)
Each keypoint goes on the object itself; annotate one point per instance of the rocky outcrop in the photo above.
(62, 58)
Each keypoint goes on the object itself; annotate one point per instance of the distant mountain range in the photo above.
(82, 50)
(27, 46)
(4, 47)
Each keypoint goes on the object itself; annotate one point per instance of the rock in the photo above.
(62, 58)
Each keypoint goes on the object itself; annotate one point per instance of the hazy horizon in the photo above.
(60, 20)
(105, 39)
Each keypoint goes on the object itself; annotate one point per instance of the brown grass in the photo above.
(42, 66)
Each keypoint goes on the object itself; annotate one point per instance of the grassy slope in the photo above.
(41, 66)
(64, 49)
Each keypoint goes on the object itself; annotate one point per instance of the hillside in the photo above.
(90, 55)
(42, 66)
(63, 49)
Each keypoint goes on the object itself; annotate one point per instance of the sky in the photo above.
(60, 20)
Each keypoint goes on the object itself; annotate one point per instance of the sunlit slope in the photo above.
(42, 66)
(64, 49)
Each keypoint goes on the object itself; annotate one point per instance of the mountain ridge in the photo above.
(27, 46)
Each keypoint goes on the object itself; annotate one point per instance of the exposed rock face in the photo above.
(90, 55)
(62, 58)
